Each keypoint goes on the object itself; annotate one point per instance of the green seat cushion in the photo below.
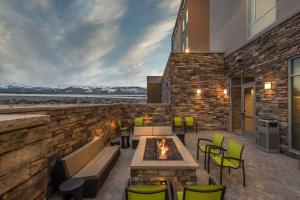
(202, 149)
(123, 128)
(138, 121)
(190, 195)
(178, 121)
(226, 162)
(189, 121)
(156, 196)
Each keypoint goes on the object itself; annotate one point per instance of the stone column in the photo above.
(23, 156)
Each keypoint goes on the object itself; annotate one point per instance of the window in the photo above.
(261, 14)
(294, 80)
(185, 43)
(185, 20)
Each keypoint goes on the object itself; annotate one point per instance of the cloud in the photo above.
(169, 5)
(46, 42)
(132, 65)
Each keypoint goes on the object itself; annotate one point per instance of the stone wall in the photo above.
(23, 156)
(267, 57)
(71, 127)
(184, 74)
(153, 114)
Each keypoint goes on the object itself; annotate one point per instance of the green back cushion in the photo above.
(156, 196)
(234, 149)
(138, 121)
(189, 195)
(217, 140)
(178, 121)
(189, 121)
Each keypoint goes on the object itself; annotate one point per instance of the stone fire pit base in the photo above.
(154, 171)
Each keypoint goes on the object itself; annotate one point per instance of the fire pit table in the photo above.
(159, 157)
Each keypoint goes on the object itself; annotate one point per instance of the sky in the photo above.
(85, 42)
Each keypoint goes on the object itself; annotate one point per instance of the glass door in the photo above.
(294, 104)
(248, 109)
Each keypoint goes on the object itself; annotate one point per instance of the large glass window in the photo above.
(295, 101)
(185, 20)
(261, 13)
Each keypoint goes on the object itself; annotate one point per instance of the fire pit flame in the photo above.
(162, 149)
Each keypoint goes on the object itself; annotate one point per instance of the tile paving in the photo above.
(269, 176)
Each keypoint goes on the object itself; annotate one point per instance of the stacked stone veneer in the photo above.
(23, 157)
(268, 56)
(184, 74)
(71, 127)
(180, 177)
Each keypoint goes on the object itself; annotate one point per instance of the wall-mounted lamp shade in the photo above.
(198, 91)
(252, 91)
(187, 50)
(268, 85)
(225, 91)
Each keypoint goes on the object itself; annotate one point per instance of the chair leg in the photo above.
(205, 160)
(208, 163)
(221, 174)
(244, 177)
(228, 170)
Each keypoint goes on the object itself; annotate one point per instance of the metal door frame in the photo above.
(243, 87)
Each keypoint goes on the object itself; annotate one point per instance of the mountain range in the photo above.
(14, 88)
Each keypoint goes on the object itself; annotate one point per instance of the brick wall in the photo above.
(23, 157)
(184, 74)
(267, 56)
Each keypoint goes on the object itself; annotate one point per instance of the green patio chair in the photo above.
(138, 121)
(148, 192)
(201, 192)
(178, 123)
(122, 128)
(231, 158)
(190, 123)
(217, 141)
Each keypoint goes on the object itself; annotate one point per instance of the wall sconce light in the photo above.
(252, 91)
(187, 50)
(268, 85)
(225, 91)
(198, 91)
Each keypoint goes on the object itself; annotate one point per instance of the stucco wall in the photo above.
(228, 23)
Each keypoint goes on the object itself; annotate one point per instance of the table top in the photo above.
(71, 184)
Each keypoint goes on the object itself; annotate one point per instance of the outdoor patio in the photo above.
(268, 175)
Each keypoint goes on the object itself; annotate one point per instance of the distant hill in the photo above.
(13, 88)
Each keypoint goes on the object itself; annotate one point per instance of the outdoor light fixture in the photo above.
(187, 50)
(252, 91)
(268, 85)
(198, 91)
(225, 91)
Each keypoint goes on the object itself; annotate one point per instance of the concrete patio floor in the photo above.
(268, 175)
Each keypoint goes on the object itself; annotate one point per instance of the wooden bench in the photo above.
(92, 162)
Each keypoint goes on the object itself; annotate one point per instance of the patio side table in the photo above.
(125, 140)
(72, 187)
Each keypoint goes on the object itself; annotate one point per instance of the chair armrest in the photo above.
(215, 147)
(231, 158)
(203, 139)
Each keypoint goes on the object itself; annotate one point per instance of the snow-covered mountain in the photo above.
(14, 88)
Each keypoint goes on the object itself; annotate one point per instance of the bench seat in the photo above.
(98, 164)
(92, 162)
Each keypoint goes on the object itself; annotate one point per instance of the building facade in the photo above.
(256, 46)
(192, 21)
